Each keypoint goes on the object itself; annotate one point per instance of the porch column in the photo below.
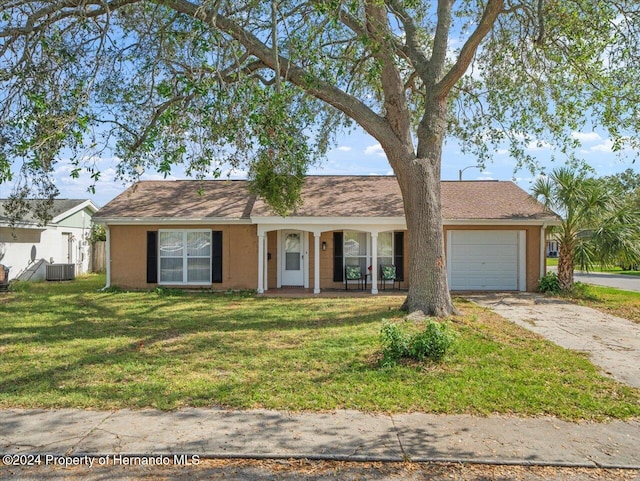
(265, 283)
(260, 263)
(543, 250)
(316, 263)
(108, 256)
(374, 263)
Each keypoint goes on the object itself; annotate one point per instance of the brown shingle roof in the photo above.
(322, 196)
(345, 196)
(229, 199)
(489, 200)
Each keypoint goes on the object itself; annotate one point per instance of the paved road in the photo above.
(619, 281)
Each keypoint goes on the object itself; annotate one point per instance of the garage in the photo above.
(486, 260)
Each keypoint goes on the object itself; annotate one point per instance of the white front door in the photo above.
(292, 250)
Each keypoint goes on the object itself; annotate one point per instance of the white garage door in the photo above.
(486, 260)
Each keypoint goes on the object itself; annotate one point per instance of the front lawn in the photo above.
(625, 304)
(69, 345)
(553, 261)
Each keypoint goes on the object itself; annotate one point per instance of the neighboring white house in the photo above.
(28, 246)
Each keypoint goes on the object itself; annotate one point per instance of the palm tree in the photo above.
(598, 226)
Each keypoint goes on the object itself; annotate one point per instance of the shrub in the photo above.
(395, 342)
(549, 283)
(433, 342)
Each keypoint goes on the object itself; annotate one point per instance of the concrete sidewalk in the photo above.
(340, 435)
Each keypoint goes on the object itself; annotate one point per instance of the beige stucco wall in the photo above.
(239, 255)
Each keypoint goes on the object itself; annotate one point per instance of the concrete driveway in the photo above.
(612, 343)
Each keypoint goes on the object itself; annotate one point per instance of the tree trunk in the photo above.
(565, 267)
(419, 180)
(428, 284)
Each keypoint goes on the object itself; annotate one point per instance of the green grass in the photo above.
(617, 270)
(625, 304)
(70, 345)
(553, 261)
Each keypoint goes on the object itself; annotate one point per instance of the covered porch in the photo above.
(301, 258)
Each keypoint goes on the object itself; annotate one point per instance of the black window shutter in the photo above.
(338, 275)
(216, 256)
(152, 257)
(398, 254)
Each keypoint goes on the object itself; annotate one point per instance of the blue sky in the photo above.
(357, 153)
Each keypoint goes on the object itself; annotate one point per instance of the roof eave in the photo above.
(87, 204)
(547, 221)
(169, 220)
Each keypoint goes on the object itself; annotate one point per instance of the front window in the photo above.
(385, 249)
(185, 256)
(355, 250)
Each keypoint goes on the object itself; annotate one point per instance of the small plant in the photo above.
(168, 292)
(580, 290)
(395, 342)
(549, 283)
(433, 342)
(98, 233)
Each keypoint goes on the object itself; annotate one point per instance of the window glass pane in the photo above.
(357, 261)
(199, 244)
(385, 249)
(176, 247)
(355, 244)
(198, 269)
(385, 244)
(292, 261)
(171, 269)
(170, 244)
(292, 243)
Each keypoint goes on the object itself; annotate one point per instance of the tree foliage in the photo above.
(627, 185)
(598, 226)
(264, 86)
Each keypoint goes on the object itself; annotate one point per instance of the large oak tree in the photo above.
(265, 85)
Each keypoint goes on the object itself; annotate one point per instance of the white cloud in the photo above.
(606, 146)
(344, 148)
(536, 145)
(375, 149)
(502, 151)
(233, 173)
(586, 136)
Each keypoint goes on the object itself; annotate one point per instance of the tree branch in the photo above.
(76, 6)
(413, 50)
(491, 12)
(395, 101)
(373, 123)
